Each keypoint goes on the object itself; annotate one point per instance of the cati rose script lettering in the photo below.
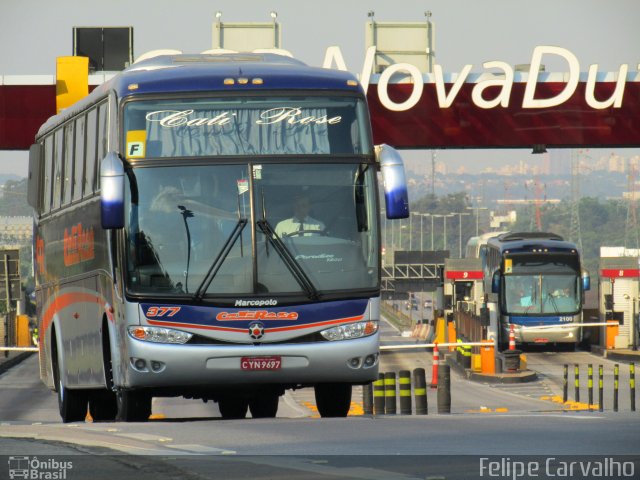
(289, 115)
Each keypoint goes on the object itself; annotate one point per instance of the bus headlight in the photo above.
(350, 331)
(159, 335)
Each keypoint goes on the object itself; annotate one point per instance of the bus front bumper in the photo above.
(570, 333)
(163, 365)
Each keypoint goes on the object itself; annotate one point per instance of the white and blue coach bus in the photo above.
(162, 268)
(540, 284)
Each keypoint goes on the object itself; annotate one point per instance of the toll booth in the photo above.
(463, 288)
(619, 292)
(464, 299)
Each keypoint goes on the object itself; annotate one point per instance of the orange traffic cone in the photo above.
(436, 364)
(512, 339)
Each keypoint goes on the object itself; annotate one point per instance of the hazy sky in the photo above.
(34, 32)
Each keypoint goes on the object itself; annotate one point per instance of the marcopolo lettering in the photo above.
(504, 81)
(257, 303)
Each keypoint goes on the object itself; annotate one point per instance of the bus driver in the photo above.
(300, 223)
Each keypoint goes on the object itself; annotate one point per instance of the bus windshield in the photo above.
(542, 284)
(220, 229)
(246, 125)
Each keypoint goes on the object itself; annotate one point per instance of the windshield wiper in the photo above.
(291, 263)
(219, 260)
(551, 299)
(186, 213)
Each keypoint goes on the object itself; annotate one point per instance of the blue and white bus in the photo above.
(161, 268)
(540, 283)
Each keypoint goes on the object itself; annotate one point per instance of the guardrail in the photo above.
(18, 349)
(414, 346)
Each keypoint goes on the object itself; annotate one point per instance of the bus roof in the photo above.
(527, 241)
(474, 243)
(208, 72)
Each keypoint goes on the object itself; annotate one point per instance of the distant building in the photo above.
(619, 252)
(616, 163)
(16, 230)
(499, 222)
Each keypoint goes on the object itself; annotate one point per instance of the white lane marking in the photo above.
(202, 449)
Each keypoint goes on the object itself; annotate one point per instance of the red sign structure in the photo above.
(463, 275)
(465, 125)
(497, 108)
(620, 272)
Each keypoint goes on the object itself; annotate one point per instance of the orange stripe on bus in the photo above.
(276, 329)
(64, 301)
(319, 324)
(195, 326)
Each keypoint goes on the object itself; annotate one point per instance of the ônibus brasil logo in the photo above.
(36, 469)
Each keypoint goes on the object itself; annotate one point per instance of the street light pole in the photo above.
(410, 231)
(432, 246)
(444, 238)
(460, 214)
(477, 213)
(421, 215)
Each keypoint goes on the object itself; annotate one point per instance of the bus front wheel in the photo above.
(333, 399)
(133, 406)
(72, 403)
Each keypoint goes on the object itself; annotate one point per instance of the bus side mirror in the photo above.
(394, 181)
(495, 282)
(34, 184)
(112, 191)
(586, 281)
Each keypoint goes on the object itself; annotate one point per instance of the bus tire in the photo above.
(333, 399)
(264, 405)
(72, 403)
(103, 406)
(133, 406)
(233, 408)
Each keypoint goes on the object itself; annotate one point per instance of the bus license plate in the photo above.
(260, 363)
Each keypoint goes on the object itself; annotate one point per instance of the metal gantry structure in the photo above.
(575, 235)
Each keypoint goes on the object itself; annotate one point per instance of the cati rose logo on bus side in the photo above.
(78, 245)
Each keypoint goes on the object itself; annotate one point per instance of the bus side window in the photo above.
(78, 172)
(57, 169)
(92, 149)
(48, 165)
(67, 170)
(103, 124)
